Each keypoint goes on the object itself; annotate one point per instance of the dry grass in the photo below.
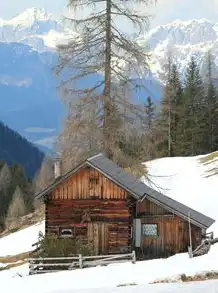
(127, 284)
(13, 265)
(213, 275)
(14, 258)
(207, 159)
(13, 261)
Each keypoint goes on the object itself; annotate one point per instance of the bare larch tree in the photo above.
(105, 53)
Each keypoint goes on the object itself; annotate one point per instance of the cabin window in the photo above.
(94, 180)
(149, 230)
(66, 233)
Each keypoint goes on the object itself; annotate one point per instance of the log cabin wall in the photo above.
(96, 209)
(172, 231)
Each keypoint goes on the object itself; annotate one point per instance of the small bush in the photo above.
(184, 278)
(52, 246)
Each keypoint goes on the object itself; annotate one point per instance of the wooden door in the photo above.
(98, 237)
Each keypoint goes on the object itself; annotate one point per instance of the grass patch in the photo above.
(12, 265)
(11, 259)
(127, 284)
(208, 158)
(213, 275)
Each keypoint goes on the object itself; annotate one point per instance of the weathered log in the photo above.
(204, 247)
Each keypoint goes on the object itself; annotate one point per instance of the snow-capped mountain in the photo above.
(34, 27)
(28, 42)
(182, 39)
(42, 31)
(27, 86)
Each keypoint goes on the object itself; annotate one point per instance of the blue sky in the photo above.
(165, 11)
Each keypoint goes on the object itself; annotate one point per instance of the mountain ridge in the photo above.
(42, 31)
(16, 149)
(31, 38)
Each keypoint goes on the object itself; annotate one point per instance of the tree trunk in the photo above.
(107, 87)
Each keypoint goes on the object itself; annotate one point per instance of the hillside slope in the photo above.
(192, 181)
(16, 149)
(21, 241)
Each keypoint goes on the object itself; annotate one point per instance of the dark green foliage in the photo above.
(169, 117)
(12, 177)
(212, 107)
(187, 123)
(149, 114)
(51, 246)
(195, 110)
(16, 149)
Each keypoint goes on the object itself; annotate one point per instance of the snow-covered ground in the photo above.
(20, 241)
(115, 278)
(186, 180)
(189, 181)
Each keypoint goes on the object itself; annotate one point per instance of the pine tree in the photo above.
(149, 114)
(10, 178)
(195, 124)
(177, 111)
(212, 106)
(149, 129)
(169, 118)
(164, 115)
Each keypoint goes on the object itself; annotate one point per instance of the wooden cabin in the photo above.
(116, 213)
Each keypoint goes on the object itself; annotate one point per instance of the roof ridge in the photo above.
(95, 156)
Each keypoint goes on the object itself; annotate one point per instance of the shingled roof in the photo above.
(137, 189)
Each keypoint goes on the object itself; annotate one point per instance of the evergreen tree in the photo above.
(164, 115)
(195, 123)
(10, 178)
(149, 114)
(149, 129)
(177, 113)
(169, 117)
(212, 106)
(5, 177)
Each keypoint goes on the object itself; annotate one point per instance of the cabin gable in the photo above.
(87, 183)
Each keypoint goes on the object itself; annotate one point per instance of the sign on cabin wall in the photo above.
(137, 232)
